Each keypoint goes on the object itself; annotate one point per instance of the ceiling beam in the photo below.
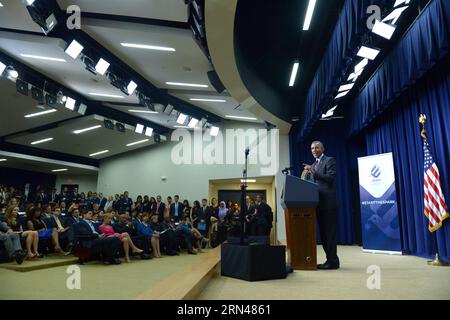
(18, 148)
(41, 81)
(25, 32)
(146, 21)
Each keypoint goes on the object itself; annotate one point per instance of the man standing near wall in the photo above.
(323, 172)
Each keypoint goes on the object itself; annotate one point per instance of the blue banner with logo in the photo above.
(379, 214)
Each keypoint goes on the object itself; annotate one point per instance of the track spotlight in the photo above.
(108, 124)
(37, 94)
(89, 64)
(120, 127)
(146, 102)
(42, 16)
(22, 87)
(70, 103)
(51, 101)
(12, 74)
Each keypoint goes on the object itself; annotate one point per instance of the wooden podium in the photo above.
(299, 200)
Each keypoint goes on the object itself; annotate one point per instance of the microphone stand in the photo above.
(243, 196)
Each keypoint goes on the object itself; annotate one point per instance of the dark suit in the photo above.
(159, 210)
(176, 212)
(204, 216)
(108, 247)
(324, 174)
(261, 221)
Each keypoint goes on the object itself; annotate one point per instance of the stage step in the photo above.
(188, 283)
(49, 261)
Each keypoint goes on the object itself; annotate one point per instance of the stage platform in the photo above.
(198, 277)
(401, 278)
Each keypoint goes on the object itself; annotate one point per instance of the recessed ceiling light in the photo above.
(346, 87)
(181, 118)
(42, 141)
(187, 84)
(142, 111)
(106, 95)
(214, 131)
(30, 2)
(1, 4)
(294, 73)
(87, 129)
(37, 114)
(309, 14)
(208, 100)
(248, 180)
(74, 49)
(148, 131)
(13, 74)
(369, 53)
(70, 103)
(3, 160)
(2, 67)
(139, 128)
(137, 142)
(131, 87)
(383, 29)
(361, 65)
(102, 66)
(98, 153)
(59, 170)
(42, 58)
(342, 94)
(193, 123)
(148, 47)
(241, 118)
(182, 127)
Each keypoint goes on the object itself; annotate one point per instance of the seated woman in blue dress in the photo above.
(35, 223)
(144, 229)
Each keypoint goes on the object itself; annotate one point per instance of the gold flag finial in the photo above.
(422, 119)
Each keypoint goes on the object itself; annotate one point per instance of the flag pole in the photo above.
(437, 259)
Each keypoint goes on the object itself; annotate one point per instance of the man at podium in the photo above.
(323, 172)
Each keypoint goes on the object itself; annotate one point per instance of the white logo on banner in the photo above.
(376, 173)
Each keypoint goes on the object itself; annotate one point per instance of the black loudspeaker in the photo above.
(215, 81)
(22, 87)
(253, 262)
(157, 138)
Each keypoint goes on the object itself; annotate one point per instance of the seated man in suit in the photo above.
(323, 171)
(89, 237)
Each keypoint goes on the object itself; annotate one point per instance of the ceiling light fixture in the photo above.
(148, 47)
(70, 103)
(241, 118)
(181, 118)
(105, 95)
(346, 87)
(102, 66)
(13, 73)
(361, 65)
(309, 14)
(30, 2)
(142, 111)
(37, 114)
(2, 68)
(294, 73)
(3, 160)
(41, 141)
(59, 170)
(148, 131)
(74, 49)
(193, 123)
(131, 87)
(87, 129)
(369, 53)
(137, 142)
(248, 180)
(187, 84)
(214, 131)
(383, 29)
(208, 100)
(139, 128)
(98, 153)
(42, 58)
(342, 94)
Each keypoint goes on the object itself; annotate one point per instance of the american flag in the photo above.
(434, 201)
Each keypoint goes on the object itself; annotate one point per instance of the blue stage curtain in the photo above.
(398, 131)
(337, 59)
(422, 46)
